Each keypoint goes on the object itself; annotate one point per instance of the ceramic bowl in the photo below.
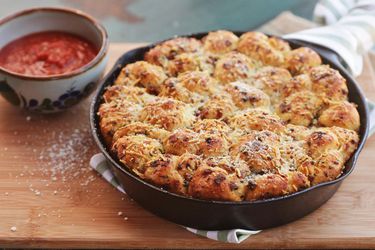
(48, 94)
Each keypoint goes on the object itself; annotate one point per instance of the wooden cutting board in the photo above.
(50, 198)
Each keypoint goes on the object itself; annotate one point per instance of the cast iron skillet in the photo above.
(221, 215)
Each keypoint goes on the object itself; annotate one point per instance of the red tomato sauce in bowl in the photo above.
(47, 53)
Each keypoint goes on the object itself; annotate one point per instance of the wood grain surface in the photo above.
(50, 198)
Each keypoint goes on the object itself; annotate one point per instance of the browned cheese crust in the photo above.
(230, 118)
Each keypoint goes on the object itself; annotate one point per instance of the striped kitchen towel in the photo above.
(350, 34)
(351, 30)
(371, 108)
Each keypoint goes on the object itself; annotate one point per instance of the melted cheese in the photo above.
(230, 118)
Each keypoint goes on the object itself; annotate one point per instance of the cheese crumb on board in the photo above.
(55, 158)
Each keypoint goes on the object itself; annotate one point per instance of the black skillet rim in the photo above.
(97, 100)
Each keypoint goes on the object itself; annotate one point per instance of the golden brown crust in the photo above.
(199, 82)
(174, 89)
(187, 164)
(260, 150)
(343, 114)
(257, 120)
(258, 46)
(212, 126)
(234, 66)
(142, 74)
(298, 133)
(328, 167)
(297, 181)
(296, 84)
(299, 108)
(163, 172)
(220, 42)
(328, 83)
(186, 62)
(182, 141)
(229, 118)
(136, 151)
(217, 107)
(271, 80)
(321, 141)
(167, 113)
(233, 166)
(207, 143)
(116, 114)
(266, 186)
(215, 183)
(213, 143)
(245, 96)
(348, 139)
(139, 128)
(300, 60)
(162, 53)
(279, 44)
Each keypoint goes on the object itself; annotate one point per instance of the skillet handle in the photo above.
(2, 83)
(371, 108)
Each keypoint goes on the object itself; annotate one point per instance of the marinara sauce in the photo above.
(47, 53)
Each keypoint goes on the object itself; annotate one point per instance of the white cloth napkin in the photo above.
(351, 32)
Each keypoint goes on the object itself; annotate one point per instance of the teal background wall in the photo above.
(152, 20)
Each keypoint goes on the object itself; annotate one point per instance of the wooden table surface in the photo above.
(50, 198)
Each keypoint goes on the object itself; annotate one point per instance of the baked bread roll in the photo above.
(230, 118)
